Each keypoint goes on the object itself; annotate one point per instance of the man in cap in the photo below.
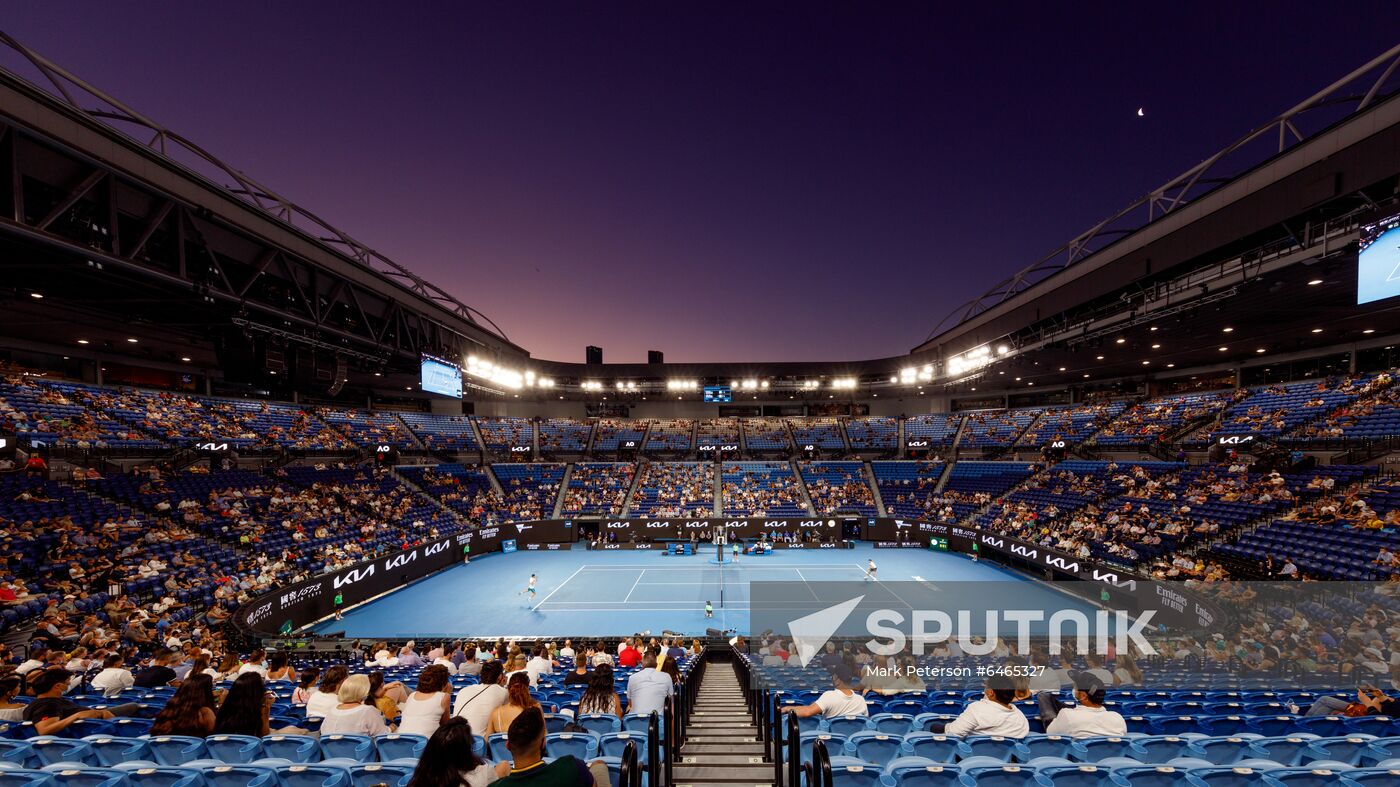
(1088, 718)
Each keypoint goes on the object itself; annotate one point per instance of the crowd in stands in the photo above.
(564, 436)
(1148, 422)
(613, 434)
(465, 489)
(597, 488)
(838, 487)
(717, 432)
(370, 429)
(935, 430)
(675, 490)
(875, 433)
(1070, 424)
(444, 433)
(1374, 414)
(761, 489)
(907, 488)
(501, 435)
(824, 434)
(670, 436)
(995, 429)
(529, 491)
(766, 435)
(1275, 409)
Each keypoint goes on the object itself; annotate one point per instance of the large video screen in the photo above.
(718, 393)
(441, 377)
(1378, 265)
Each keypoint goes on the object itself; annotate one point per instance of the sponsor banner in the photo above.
(293, 606)
(1237, 440)
(625, 545)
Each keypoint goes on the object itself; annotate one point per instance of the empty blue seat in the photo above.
(996, 746)
(359, 748)
(922, 772)
(1227, 776)
(1001, 776)
(24, 778)
(398, 746)
(582, 745)
(234, 748)
(1159, 748)
(834, 743)
(892, 723)
(852, 772)
(297, 748)
(1308, 777)
(1349, 749)
(1366, 777)
(20, 753)
(1222, 751)
(1080, 775)
(556, 722)
(313, 775)
(85, 777)
(1286, 750)
(613, 743)
(932, 746)
(372, 773)
(873, 746)
(175, 749)
(240, 776)
(111, 750)
(1098, 748)
(1151, 776)
(163, 776)
(48, 750)
(846, 725)
(599, 723)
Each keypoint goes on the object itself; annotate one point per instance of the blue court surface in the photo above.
(619, 593)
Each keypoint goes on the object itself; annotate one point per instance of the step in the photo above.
(691, 748)
(760, 773)
(750, 736)
(724, 758)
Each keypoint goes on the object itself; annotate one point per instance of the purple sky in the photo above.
(718, 181)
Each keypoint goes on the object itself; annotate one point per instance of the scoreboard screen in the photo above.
(441, 377)
(719, 393)
(938, 543)
(1378, 264)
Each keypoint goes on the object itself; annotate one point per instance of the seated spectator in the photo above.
(518, 700)
(1370, 701)
(994, 714)
(648, 688)
(840, 700)
(52, 713)
(1087, 719)
(478, 703)
(601, 694)
(580, 675)
(279, 668)
(449, 761)
(9, 709)
(326, 695)
(427, 708)
(525, 740)
(245, 709)
(351, 716)
(190, 711)
(159, 673)
(114, 678)
(305, 685)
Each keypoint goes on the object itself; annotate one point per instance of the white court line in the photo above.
(640, 574)
(807, 585)
(560, 585)
(757, 567)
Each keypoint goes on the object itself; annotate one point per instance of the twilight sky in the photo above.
(720, 181)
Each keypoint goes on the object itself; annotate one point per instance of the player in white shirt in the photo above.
(841, 700)
(1087, 719)
(530, 589)
(870, 570)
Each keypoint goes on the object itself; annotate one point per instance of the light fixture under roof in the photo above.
(1369, 330)
(1317, 330)
(1226, 330)
(1260, 350)
(82, 341)
(1314, 282)
(1098, 358)
(37, 295)
(1223, 349)
(133, 341)
(1156, 346)
(1121, 341)
(1171, 365)
(1153, 328)
(1062, 368)
(186, 360)
(1144, 363)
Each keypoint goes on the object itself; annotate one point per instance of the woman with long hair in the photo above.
(430, 705)
(601, 694)
(307, 680)
(1126, 672)
(279, 667)
(227, 667)
(190, 711)
(245, 708)
(324, 697)
(380, 697)
(517, 700)
(9, 709)
(448, 759)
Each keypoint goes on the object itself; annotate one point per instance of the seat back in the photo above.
(164, 777)
(582, 745)
(234, 748)
(176, 749)
(111, 750)
(922, 772)
(397, 746)
(359, 748)
(297, 748)
(599, 723)
(1002, 776)
(48, 751)
(932, 746)
(846, 725)
(1081, 775)
(372, 773)
(873, 746)
(240, 776)
(313, 775)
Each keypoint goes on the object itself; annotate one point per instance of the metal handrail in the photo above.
(630, 774)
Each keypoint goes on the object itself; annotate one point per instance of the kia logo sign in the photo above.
(212, 446)
(918, 444)
(400, 560)
(1062, 564)
(654, 525)
(1235, 439)
(993, 542)
(707, 448)
(435, 548)
(616, 525)
(353, 576)
(729, 448)
(1028, 554)
(520, 449)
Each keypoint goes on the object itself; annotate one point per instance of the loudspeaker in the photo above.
(338, 378)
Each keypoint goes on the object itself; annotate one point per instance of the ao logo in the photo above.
(1057, 444)
(4, 443)
(351, 577)
(809, 447)
(383, 449)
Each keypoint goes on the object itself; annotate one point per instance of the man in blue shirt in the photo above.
(648, 689)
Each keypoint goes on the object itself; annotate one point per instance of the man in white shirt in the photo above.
(35, 661)
(567, 652)
(994, 714)
(114, 678)
(1087, 719)
(539, 664)
(475, 703)
(841, 700)
(257, 662)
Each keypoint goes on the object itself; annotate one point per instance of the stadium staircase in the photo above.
(902, 449)
(592, 435)
(802, 485)
(869, 473)
(408, 430)
(481, 444)
(957, 438)
(637, 471)
(719, 486)
(557, 511)
(947, 473)
(422, 494)
(722, 747)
